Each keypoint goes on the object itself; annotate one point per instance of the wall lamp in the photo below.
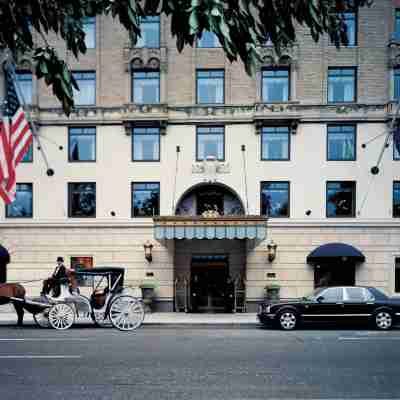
(271, 246)
(148, 249)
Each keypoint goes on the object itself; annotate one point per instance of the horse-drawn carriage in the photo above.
(108, 304)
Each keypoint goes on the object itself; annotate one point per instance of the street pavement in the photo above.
(198, 362)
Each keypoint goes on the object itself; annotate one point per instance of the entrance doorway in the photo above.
(209, 291)
(336, 274)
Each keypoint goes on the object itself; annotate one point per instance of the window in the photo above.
(340, 199)
(22, 206)
(210, 86)
(397, 24)
(146, 144)
(82, 263)
(210, 142)
(82, 144)
(396, 199)
(396, 144)
(275, 199)
(341, 143)
(24, 81)
(28, 156)
(355, 295)
(150, 32)
(275, 85)
(397, 275)
(89, 27)
(146, 87)
(396, 83)
(332, 295)
(341, 85)
(275, 143)
(351, 22)
(82, 200)
(86, 95)
(208, 40)
(145, 199)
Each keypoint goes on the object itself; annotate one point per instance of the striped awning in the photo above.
(245, 227)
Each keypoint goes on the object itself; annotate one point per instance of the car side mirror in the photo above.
(320, 299)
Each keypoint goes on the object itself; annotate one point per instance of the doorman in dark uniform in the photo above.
(229, 295)
(194, 293)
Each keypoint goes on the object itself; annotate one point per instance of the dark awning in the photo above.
(334, 252)
(4, 255)
(224, 227)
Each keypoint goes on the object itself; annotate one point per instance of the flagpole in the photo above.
(11, 69)
(375, 169)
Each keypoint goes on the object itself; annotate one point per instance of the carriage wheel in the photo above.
(99, 320)
(126, 313)
(42, 318)
(61, 316)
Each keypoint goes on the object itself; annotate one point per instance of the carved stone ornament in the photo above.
(211, 167)
(211, 214)
(287, 57)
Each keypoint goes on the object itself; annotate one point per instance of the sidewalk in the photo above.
(165, 318)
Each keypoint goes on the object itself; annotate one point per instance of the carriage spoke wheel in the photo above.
(61, 316)
(126, 313)
(42, 318)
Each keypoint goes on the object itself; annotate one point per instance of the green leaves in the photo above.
(56, 74)
(241, 26)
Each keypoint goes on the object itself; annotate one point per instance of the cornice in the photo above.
(191, 114)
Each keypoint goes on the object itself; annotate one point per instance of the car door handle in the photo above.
(340, 304)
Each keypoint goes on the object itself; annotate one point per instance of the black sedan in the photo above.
(334, 304)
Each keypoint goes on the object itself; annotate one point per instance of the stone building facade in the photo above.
(224, 163)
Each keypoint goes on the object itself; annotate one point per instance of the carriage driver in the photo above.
(53, 282)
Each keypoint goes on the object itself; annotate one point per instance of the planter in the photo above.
(148, 295)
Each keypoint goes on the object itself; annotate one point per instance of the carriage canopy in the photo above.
(116, 274)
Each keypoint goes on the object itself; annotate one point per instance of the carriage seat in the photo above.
(98, 298)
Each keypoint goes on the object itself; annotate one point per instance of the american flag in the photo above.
(15, 139)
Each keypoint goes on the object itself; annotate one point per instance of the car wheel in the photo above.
(287, 320)
(383, 320)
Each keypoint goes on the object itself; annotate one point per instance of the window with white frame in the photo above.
(342, 85)
(396, 83)
(146, 86)
(149, 32)
(210, 142)
(275, 85)
(341, 142)
(24, 81)
(86, 95)
(89, 27)
(208, 40)
(146, 144)
(210, 86)
(275, 143)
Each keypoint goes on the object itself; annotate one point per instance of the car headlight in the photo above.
(268, 309)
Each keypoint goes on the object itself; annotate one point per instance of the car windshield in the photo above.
(313, 295)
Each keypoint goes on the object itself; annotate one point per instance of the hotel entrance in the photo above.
(211, 288)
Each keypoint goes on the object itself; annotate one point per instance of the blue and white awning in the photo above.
(245, 227)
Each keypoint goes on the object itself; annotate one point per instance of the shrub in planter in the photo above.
(272, 291)
(148, 293)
